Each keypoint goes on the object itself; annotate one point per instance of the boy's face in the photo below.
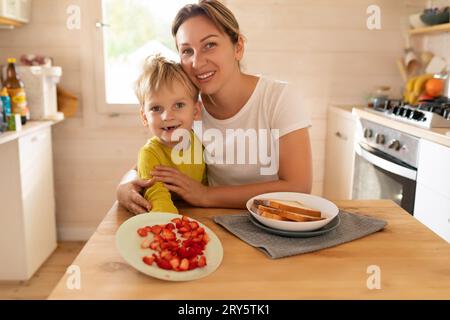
(169, 109)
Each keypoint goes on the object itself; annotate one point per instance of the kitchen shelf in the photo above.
(432, 29)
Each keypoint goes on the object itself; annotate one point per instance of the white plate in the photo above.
(128, 243)
(329, 211)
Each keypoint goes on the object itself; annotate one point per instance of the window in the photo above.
(131, 31)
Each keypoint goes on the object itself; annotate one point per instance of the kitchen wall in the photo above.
(323, 46)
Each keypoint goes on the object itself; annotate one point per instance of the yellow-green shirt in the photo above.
(156, 153)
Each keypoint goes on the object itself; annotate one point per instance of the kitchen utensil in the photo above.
(328, 209)
(128, 243)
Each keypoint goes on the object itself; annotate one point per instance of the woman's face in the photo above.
(207, 55)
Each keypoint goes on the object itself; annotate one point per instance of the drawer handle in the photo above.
(340, 136)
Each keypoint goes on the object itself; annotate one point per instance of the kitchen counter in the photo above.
(29, 127)
(438, 135)
(414, 264)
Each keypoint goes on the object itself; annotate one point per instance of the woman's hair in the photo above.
(158, 72)
(220, 15)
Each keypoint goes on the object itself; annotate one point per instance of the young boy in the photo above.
(169, 105)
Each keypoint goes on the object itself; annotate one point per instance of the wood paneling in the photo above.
(323, 46)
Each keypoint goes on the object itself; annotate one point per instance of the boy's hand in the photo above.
(189, 189)
(128, 195)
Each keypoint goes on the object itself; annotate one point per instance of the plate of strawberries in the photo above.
(169, 246)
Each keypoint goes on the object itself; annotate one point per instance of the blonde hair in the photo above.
(158, 72)
(218, 13)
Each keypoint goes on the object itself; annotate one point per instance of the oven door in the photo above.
(380, 176)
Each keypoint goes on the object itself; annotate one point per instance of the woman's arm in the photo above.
(128, 193)
(295, 175)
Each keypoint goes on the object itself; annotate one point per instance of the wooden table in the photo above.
(414, 264)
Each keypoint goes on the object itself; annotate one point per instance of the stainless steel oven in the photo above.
(385, 164)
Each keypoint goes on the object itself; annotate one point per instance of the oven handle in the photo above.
(385, 164)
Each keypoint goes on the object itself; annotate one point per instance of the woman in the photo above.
(211, 47)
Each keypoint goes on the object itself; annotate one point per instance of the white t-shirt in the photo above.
(243, 149)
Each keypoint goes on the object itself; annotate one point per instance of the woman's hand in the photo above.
(128, 195)
(187, 188)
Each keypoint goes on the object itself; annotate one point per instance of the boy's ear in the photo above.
(198, 111)
(143, 116)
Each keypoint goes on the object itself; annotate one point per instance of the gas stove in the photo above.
(428, 114)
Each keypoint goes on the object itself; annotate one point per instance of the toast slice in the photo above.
(291, 206)
(288, 215)
(267, 214)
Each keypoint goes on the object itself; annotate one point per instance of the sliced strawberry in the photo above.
(184, 265)
(206, 238)
(202, 262)
(185, 218)
(184, 229)
(170, 226)
(176, 220)
(194, 233)
(174, 262)
(145, 244)
(154, 245)
(164, 264)
(198, 238)
(157, 238)
(142, 232)
(173, 245)
(156, 230)
(148, 260)
(194, 225)
(186, 235)
(200, 230)
(164, 245)
(182, 252)
(193, 263)
(168, 234)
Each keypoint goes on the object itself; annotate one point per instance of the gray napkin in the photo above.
(352, 226)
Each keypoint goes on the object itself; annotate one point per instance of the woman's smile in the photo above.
(205, 77)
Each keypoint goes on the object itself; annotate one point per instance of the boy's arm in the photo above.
(158, 196)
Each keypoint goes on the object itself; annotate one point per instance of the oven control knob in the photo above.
(379, 138)
(368, 133)
(395, 144)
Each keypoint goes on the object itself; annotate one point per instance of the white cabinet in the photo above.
(15, 12)
(339, 154)
(432, 202)
(27, 204)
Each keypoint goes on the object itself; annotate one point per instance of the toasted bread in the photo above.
(272, 216)
(288, 215)
(291, 206)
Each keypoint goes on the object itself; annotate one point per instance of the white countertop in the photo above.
(438, 135)
(29, 127)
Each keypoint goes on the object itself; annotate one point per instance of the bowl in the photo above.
(328, 209)
(435, 16)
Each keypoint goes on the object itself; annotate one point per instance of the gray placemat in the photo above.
(352, 226)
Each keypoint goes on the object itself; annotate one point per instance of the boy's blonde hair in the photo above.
(159, 71)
